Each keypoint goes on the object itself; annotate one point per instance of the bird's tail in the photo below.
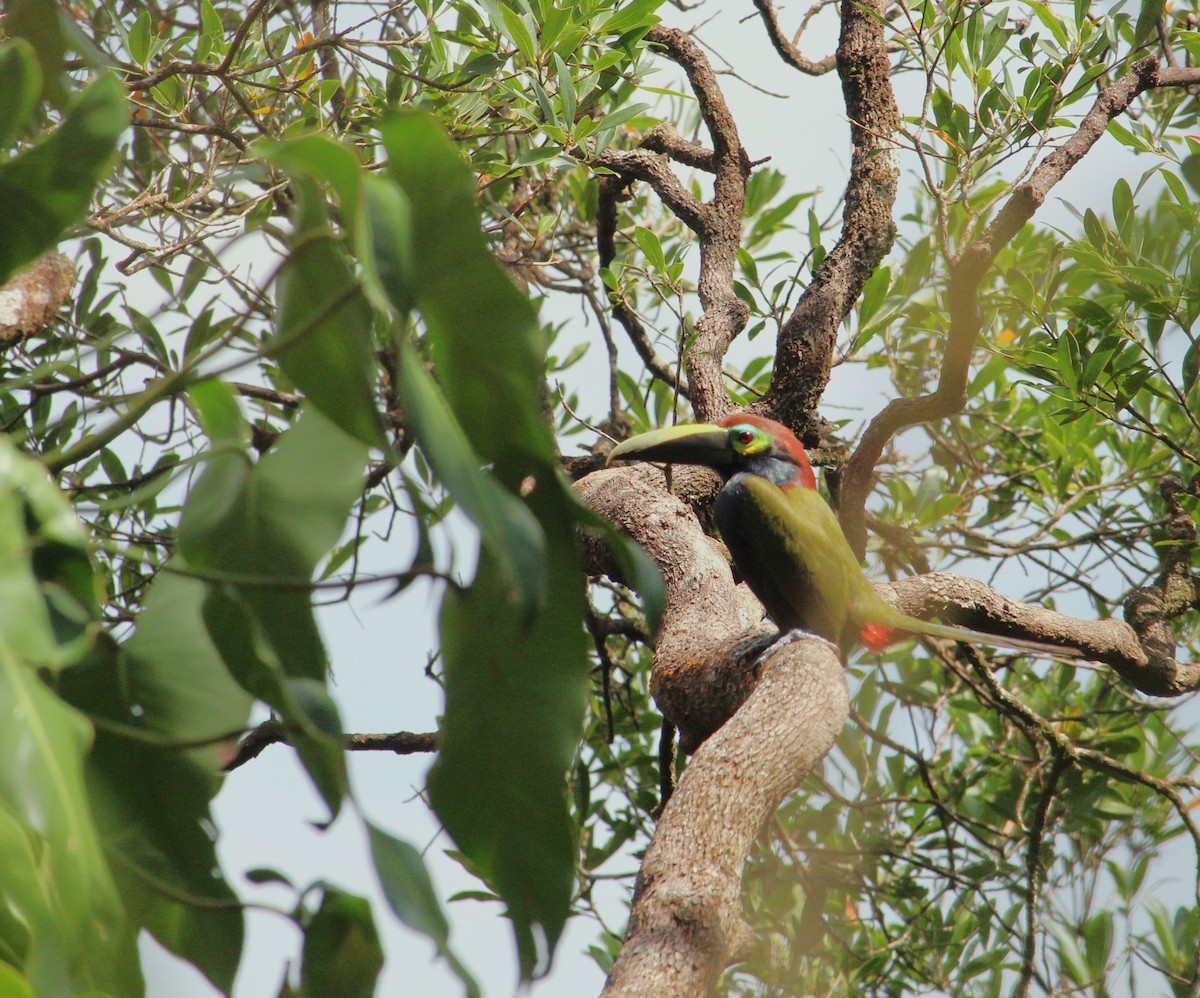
(879, 636)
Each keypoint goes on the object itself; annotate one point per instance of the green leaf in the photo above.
(488, 349)
(261, 530)
(49, 188)
(391, 260)
(499, 787)
(1073, 963)
(302, 703)
(37, 22)
(47, 590)
(1147, 23)
(323, 339)
(174, 675)
(566, 90)
(265, 527)
(21, 83)
(151, 803)
(635, 16)
(342, 953)
(519, 33)
(1098, 935)
(507, 528)
(410, 892)
(70, 905)
(651, 247)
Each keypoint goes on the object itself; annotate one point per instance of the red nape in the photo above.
(786, 439)
(877, 637)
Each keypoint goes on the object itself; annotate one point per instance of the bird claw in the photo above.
(787, 637)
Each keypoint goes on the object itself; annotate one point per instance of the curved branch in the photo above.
(786, 47)
(717, 223)
(664, 139)
(966, 274)
(686, 925)
(723, 314)
(804, 353)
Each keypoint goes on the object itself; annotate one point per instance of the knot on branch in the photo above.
(1148, 610)
(32, 298)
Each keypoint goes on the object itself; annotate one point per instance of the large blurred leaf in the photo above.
(488, 349)
(264, 527)
(323, 339)
(37, 22)
(342, 955)
(258, 530)
(21, 83)
(514, 709)
(507, 528)
(411, 894)
(49, 188)
(60, 917)
(72, 913)
(47, 590)
(374, 212)
(151, 802)
(177, 682)
(515, 702)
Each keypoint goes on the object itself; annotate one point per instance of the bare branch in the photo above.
(651, 168)
(804, 353)
(786, 47)
(662, 138)
(717, 223)
(723, 315)
(274, 732)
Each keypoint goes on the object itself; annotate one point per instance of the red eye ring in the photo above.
(745, 436)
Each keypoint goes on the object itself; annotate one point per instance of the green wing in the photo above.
(791, 550)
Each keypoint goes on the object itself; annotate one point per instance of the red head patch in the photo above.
(785, 438)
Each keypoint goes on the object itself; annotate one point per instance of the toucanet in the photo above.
(786, 541)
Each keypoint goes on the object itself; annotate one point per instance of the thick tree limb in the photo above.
(966, 274)
(709, 620)
(717, 222)
(805, 349)
(686, 924)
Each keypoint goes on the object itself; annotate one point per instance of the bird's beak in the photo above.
(692, 443)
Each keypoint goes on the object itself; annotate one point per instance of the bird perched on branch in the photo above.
(786, 541)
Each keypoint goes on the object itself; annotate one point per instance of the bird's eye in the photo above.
(745, 436)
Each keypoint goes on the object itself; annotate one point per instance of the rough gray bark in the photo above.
(686, 925)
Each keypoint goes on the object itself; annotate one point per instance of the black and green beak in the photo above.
(691, 443)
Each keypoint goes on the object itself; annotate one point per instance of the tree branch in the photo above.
(686, 925)
(786, 47)
(805, 349)
(966, 274)
(275, 731)
(717, 223)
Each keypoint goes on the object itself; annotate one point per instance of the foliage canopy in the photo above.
(331, 260)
